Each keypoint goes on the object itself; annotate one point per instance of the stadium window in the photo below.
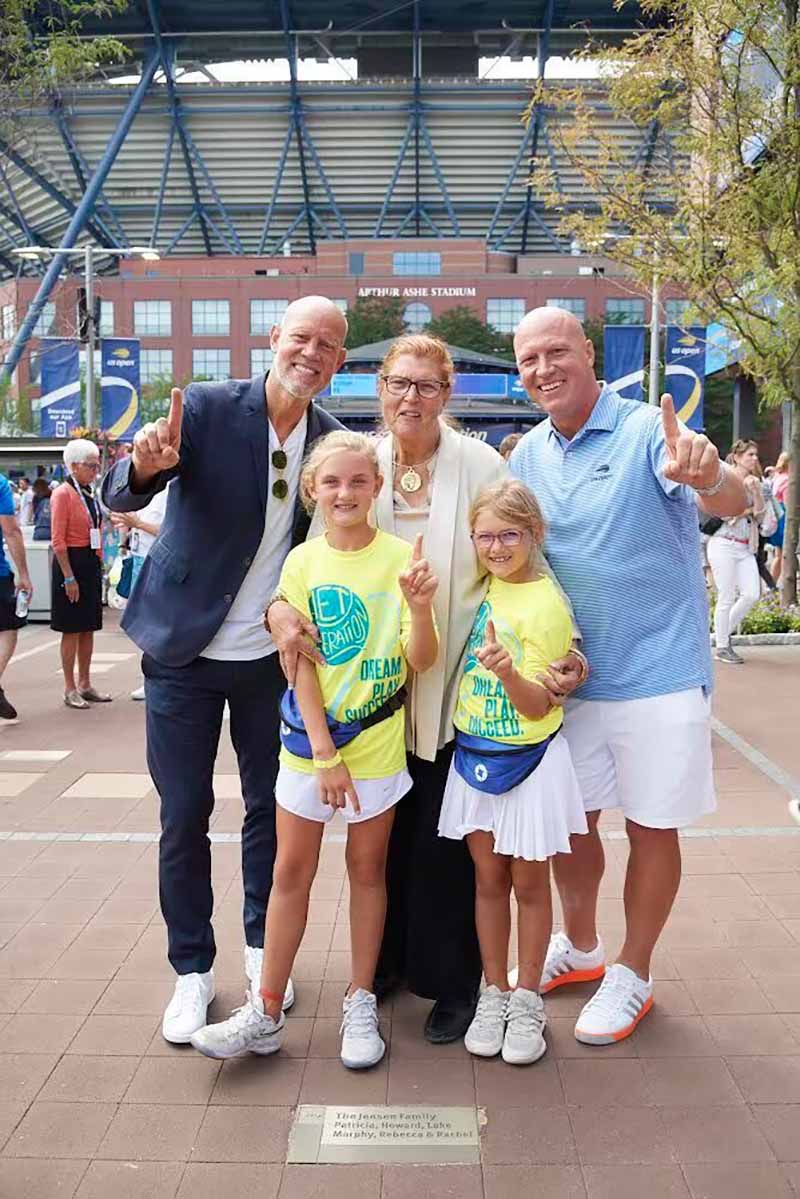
(106, 318)
(416, 317)
(211, 318)
(264, 314)
(624, 312)
(260, 361)
(155, 364)
(504, 315)
(417, 262)
(152, 318)
(355, 260)
(675, 311)
(9, 327)
(46, 321)
(576, 307)
(211, 364)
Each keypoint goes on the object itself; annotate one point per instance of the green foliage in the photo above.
(719, 215)
(154, 398)
(41, 52)
(460, 326)
(374, 318)
(767, 616)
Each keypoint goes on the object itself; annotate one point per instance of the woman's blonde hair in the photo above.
(784, 459)
(738, 448)
(421, 345)
(514, 502)
(334, 443)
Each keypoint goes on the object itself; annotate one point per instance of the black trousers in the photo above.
(430, 937)
(184, 719)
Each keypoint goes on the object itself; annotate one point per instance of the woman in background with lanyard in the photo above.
(77, 578)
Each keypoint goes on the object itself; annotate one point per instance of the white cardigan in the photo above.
(464, 466)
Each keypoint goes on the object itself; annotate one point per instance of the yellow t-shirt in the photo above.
(532, 622)
(355, 600)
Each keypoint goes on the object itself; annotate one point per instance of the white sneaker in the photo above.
(186, 1011)
(616, 1007)
(253, 959)
(566, 964)
(484, 1037)
(247, 1030)
(362, 1045)
(138, 693)
(524, 1040)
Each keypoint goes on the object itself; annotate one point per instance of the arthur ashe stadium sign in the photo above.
(417, 292)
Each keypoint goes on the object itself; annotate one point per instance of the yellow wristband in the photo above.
(327, 763)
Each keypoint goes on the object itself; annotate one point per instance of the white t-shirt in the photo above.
(242, 636)
(26, 507)
(139, 540)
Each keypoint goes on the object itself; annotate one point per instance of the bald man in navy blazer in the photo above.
(231, 453)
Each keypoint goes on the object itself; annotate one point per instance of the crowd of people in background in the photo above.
(468, 638)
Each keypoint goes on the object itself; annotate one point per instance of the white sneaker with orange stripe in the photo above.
(566, 964)
(616, 1007)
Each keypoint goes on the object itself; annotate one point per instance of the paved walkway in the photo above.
(703, 1101)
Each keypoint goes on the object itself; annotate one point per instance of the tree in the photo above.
(460, 326)
(719, 213)
(374, 318)
(41, 51)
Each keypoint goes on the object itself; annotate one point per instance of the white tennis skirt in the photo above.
(534, 820)
(298, 792)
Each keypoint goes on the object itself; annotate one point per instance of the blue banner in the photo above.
(623, 349)
(119, 387)
(685, 372)
(482, 386)
(361, 386)
(61, 387)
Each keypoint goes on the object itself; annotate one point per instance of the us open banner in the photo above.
(119, 386)
(60, 405)
(685, 373)
(623, 349)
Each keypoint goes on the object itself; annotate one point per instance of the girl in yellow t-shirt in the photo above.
(512, 791)
(369, 595)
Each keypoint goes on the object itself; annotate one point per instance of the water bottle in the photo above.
(23, 602)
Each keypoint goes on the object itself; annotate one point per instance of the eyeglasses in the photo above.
(508, 537)
(89, 465)
(427, 389)
(280, 488)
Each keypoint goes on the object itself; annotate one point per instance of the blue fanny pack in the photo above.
(294, 737)
(494, 767)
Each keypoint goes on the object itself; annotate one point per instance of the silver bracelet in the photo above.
(715, 487)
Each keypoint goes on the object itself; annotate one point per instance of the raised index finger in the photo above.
(416, 553)
(669, 421)
(490, 635)
(175, 415)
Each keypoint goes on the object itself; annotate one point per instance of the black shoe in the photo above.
(7, 710)
(449, 1019)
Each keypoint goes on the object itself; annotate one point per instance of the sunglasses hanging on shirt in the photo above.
(280, 488)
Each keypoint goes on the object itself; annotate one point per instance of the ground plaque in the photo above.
(385, 1134)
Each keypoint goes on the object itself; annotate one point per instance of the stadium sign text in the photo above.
(409, 292)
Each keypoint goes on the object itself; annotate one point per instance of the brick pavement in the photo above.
(701, 1101)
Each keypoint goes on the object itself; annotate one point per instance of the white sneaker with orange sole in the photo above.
(566, 964)
(616, 1007)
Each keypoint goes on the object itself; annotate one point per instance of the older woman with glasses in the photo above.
(77, 575)
(431, 475)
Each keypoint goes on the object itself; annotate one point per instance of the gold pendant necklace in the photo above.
(410, 481)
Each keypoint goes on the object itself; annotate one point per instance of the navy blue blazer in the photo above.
(214, 520)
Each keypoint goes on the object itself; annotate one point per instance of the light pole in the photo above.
(87, 252)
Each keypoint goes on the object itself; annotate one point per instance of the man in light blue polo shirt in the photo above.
(619, 483)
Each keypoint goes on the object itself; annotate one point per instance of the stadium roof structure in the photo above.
(417, 145)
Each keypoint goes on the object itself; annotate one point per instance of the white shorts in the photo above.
(651, 757)
(299, 793)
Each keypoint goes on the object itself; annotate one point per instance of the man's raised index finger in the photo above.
(175, 415)
(669, 420)
(416, 553)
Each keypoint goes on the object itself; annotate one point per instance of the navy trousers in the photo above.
(184, 718)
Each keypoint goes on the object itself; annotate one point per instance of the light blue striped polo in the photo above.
(625, 545)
